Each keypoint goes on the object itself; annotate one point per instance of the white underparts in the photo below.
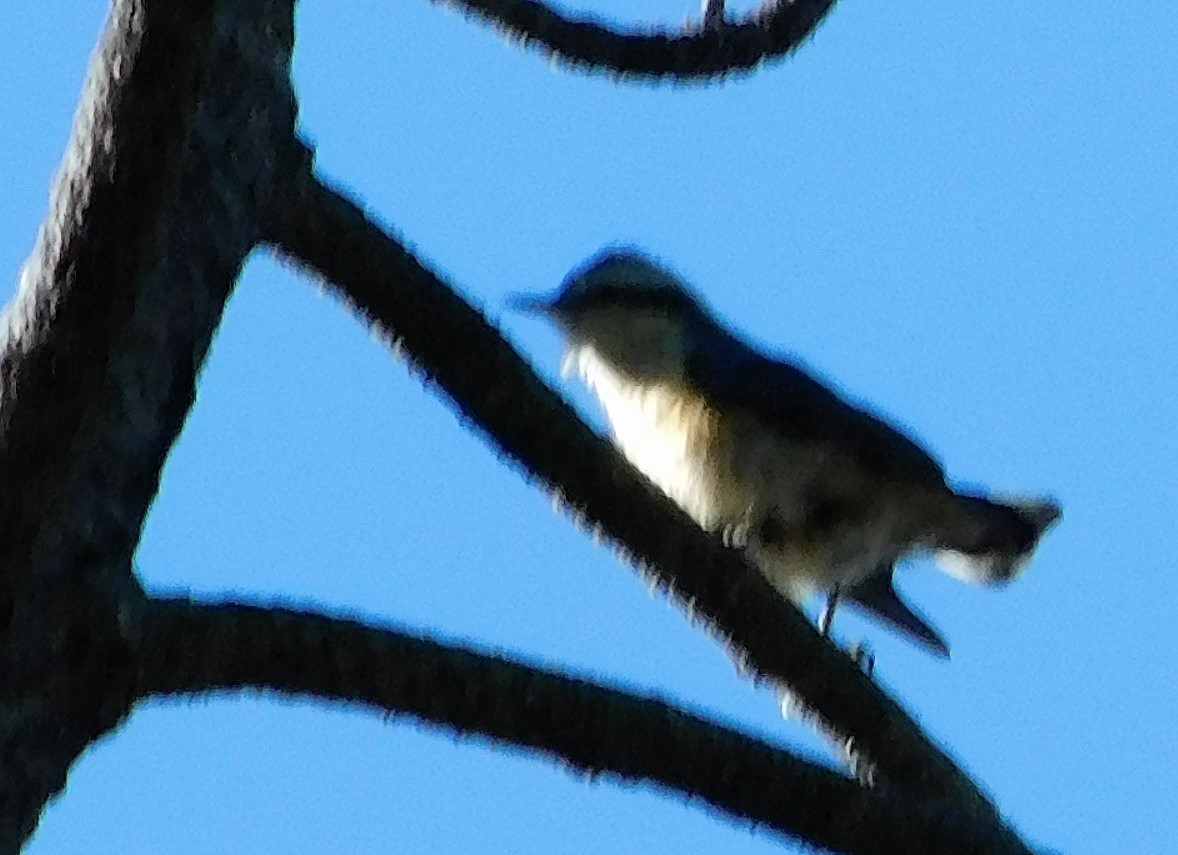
(727, 471)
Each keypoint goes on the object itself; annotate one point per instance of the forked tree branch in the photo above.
(189, 648)
(454, 347)
(186, 113)
(714, 49)
(65, 390)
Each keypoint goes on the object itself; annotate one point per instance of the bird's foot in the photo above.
(736, 536)
(827, 617)
(793, 706)
(862, 656)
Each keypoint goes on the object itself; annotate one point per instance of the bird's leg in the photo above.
(713, 14)
(860, 653)
(827, 617)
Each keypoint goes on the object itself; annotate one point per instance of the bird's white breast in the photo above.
(726, 470)
(667, 432)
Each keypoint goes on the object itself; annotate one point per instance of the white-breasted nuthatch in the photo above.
(824, 496)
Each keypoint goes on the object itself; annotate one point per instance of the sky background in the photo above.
(965, 215)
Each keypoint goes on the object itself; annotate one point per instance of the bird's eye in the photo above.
(628, 296)
(612, 294)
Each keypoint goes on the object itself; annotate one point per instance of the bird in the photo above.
(823, 495)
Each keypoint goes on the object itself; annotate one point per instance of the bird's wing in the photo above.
(877, 595)
(791, 401)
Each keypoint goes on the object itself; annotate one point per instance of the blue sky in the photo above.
(967, 218)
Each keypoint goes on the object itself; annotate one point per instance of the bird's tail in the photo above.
(989, 542)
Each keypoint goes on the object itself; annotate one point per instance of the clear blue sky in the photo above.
(964, 213)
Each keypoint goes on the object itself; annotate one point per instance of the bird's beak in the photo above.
(532, 304)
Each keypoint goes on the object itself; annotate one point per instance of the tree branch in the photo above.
(152, 215)
(187, 648)
(496, 389)
(66, 395)
(715, 50)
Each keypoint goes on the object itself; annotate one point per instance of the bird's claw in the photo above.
(862, 656)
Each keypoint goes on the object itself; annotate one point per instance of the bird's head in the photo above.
(626, 309)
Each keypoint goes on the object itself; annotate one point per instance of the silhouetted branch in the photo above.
(87, 403)
(66, 386)
(188, 648)
(150, 219)
(705, 52)
(496, 389)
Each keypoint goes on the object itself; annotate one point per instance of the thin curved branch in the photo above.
(714, 49)
(498, 391)
(189, 648)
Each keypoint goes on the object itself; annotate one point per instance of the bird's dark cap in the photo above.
(615, 276)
